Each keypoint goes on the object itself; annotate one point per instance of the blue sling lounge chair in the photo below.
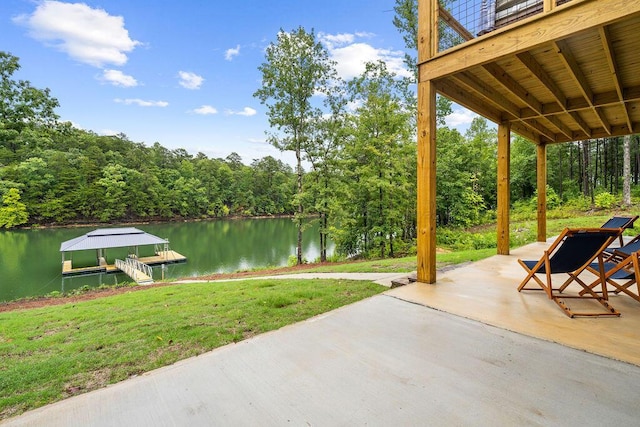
(623, 222)
(622, 270)
(571, 253)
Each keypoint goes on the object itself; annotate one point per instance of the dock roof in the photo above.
(104, 238)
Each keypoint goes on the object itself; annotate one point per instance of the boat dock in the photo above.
(163, 257)
(138, 268)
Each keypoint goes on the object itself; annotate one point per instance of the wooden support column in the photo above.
(426, 182)
(504, 187)
(542, 191)
(426, 173)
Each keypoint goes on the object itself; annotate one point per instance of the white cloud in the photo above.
(231, 53)
(88, 35)
(118, 78)
(206, 110)
(331, 40)
(190, 80)
(141, 102)
(246, 111)
(351, 55)
(460, 118)
(108, 132)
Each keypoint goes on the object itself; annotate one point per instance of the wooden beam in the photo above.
(520, 129)
(468, 100)
(555, 121)
(607, 45)
(604, 99)
(503, 199)
(488, 92)
(581, 123)
(510, 84)
(426, 185)
(574, 70)
(541, 174)
(527, 34)
(536, 69)
(542, 130)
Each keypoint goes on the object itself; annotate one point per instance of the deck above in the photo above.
(568, 74)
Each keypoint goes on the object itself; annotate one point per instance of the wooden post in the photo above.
(504, 188)
(426, 173)
(426, 182)
(548, 5)
(542, 191)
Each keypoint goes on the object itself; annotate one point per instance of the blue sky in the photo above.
(183, 72)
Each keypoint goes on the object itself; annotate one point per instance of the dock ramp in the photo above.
(138, 271)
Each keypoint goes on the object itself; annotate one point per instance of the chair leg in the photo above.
(610, 310)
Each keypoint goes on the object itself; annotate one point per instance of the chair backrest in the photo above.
(579, 247)
(629, 248)
(620, 222)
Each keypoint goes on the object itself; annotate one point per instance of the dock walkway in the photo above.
(161, 257)
(140, 272)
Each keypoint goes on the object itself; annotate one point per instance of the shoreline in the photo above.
(150, 222)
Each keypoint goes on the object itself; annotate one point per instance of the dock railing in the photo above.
(138, 271)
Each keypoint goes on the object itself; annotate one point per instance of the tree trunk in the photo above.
(560, 155)
(586, 188)
(626, 172)
(300, 207)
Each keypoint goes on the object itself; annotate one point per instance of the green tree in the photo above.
(323, 152)
(21, 106)
(114, 187)
(456, 201)
(296, 68)
(378, 181)
(523, 169)
(12, 212)
(272, 186)
(481, 153)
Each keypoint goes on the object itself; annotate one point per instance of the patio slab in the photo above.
(486, 291)
(379, 362)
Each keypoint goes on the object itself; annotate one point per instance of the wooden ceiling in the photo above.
(568, 74)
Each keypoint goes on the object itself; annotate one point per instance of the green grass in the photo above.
(55, 352)
(403, 264)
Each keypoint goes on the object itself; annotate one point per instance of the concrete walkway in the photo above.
(383, 361)
(383, 279)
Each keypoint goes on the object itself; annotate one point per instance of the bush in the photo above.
(605, 200)
(579, 203)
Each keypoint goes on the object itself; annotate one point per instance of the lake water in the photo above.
(31, 262)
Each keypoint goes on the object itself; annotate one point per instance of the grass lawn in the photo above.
(55, 352)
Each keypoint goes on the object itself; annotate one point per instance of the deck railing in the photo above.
(463, 20)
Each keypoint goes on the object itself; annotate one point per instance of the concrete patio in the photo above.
(486, 291)
(469, 350)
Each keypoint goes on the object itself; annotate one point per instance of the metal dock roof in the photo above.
(104, 238)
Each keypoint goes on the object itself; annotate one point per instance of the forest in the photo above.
(355, 146)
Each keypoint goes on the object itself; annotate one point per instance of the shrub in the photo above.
(605, 200)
